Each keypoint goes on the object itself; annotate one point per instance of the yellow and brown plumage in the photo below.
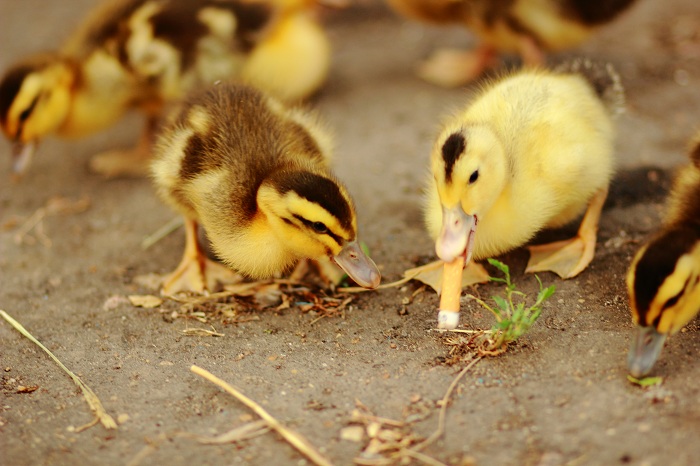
(664, 278)
(255, 175)
(525, 27)
(532, 151)
(143, 53)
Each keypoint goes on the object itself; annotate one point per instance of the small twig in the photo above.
(414, 273)
(201, 332)
(148, 449)
(421, 457)
(161, 233)
(238, 434)
(294, 439)
(458, 330)
(318, 318)
(29, 224)
(89, 395)
(443, 408)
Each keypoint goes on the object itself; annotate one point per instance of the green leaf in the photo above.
(545, 294)
(500, 266)
(501, 303)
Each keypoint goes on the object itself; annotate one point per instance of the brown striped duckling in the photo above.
(664, 278)
(526, 27)
(142, 53)
(255, 175)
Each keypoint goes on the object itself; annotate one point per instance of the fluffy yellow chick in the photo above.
(532, 151)
(526, 27)
(255, 175)
(664, 278)
(143, 53)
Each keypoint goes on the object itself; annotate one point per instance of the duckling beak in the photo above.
(22, 153)
(358, 266)
(646, 347)
(457, 234)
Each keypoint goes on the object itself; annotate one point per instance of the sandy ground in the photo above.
(559, 396)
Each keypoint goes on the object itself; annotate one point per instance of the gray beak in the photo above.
(646, 347)
(358, 266)
(457, 234)
(22, 154)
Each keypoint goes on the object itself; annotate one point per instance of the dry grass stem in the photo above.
(92, 400)
(293, 438)
(460, 330)
(54, 206)
(161, 233)
(201, 332)
(443, 407)
(408, 276)
(240, 433)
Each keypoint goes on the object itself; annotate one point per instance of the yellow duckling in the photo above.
(531, 152)
(143, 53)
(255, 175)
(664, 279)
(526, 27)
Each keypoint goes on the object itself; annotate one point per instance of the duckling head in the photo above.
(313, 215)
(664, 289)
(468, 165)
(35, 97)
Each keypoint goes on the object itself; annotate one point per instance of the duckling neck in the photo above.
(101, 94)
(255, 250)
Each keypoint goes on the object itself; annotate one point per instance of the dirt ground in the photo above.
(559, 396)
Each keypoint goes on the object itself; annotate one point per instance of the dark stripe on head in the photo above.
(674, 299)
(310, 225)
(453, 147)
(10, 87)
(319, 190)
(657, 264)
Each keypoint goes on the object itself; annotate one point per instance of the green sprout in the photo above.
(645, 381)
(512, 320)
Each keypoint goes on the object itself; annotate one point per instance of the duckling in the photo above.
(532, 151)
(664, 278)
(143, 53)
(255, 175)
(526, 27)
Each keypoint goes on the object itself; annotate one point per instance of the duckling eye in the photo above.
(474, 176)
(320, 227)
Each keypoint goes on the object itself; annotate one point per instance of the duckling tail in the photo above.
(603, 78)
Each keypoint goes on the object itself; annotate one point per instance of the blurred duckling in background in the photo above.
(664, 278)
(532, 150)
(526, 27)
(255, 175)
(143, 53)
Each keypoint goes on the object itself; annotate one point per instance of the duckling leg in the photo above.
(130, 162)
(328, 271)
(196, 272)
(453, 68)
(570, 257)
(530, 52)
